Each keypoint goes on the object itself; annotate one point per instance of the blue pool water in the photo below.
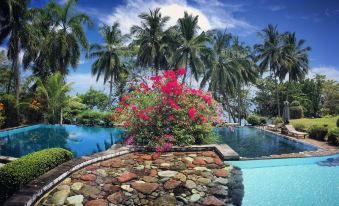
(252, 142)
(80, 140)
(293, 181)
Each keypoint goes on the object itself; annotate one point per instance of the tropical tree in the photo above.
(54, 94)
(247, 67)
(13, 23)
(222, 72)
(60, 35)
(108, 63)
(152, 38)
(270, 54)
(296, 58)
(191, 46)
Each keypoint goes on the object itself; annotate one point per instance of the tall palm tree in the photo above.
(191, 46)
(247, 68)
(66, 35)
(222, 71)
(297, 63)
(108, 63)
(54, 93)
(270, 54)
(13, 22)
(151, 38)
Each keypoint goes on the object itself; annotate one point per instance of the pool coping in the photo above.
(30, 193)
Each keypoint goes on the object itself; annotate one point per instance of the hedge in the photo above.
(333, 137)
(318, 132)
(18, 173)
(256, 120)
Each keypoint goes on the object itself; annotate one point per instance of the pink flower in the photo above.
(158, 149)
(130, 140)
(167, 145)
(191, 113)
(173, 104)
(203, 119)
(181, 71)
(171, 118)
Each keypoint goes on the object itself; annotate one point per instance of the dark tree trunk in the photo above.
(110, 91)
(239, 104)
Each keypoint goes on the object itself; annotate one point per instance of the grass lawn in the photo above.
(307, 122)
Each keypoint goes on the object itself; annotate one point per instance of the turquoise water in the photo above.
(252, 142)
(293, 181)
(80, 140)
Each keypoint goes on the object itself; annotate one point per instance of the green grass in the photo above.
(330, 121)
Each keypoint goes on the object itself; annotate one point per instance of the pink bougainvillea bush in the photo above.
(166, 112)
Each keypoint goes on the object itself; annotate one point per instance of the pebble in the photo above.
(167, 173)
(195, 198)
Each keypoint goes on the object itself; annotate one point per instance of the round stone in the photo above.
(75, 200)
(195, 197)
(190, 184)
(59, 197)
(167, 173)
(77, 186)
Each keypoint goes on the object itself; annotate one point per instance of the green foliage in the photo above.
(318, 132)
(16, 174)
(300, 127)
(10, 110)
(74, 108)
(277, 120)
(331, 97)
(338, 122)
(54, 92)
(95, 99)
(255, 120)
(296, 110)
(333, 137)
(93, 118)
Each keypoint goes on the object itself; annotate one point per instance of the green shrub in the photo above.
(18, 173)
(93, 118)
(300, 127)
(296, 110)
(338, 122)
(318, 132)
(277, 120)
(256, 120)
(333, 137)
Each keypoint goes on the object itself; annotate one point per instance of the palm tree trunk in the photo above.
(9, 82)
(186, 66)
(239, 104)
(277, 94)
(110, 90)
(16, 73)
(61, 116)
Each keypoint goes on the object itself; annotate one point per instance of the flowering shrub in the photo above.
(166, 113)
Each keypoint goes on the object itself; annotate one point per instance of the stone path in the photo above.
(167, 179)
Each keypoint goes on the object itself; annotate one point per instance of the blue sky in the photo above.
(313, 20)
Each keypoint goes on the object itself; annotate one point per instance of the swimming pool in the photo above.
(80, 140)
(252, 142)
(292, 181)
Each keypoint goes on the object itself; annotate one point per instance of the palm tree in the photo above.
(270, 55)
(108, 63)
(191, 46)
(66, 36)
(151, 39)
(247, 68)
(13, 22)
(54, 93)
(222, 72)
(296, 58)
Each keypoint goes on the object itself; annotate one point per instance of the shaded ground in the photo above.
(179, 178)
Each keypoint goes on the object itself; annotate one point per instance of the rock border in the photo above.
(30, 193)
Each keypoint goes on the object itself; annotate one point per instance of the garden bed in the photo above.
(176, 178)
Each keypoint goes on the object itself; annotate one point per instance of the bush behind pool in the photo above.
(18, 173)
(318, 132)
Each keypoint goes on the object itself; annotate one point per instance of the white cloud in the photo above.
(330, 72)
(83, 81)
(212, 14)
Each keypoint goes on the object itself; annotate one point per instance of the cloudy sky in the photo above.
(313, 20)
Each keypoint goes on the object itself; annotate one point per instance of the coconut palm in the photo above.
(191, 46)
(66, 35)
(247, 68)
(270, 54)
(13, 22)
(151, 38)
(54, 92)
(222, 72)
(108, 64)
